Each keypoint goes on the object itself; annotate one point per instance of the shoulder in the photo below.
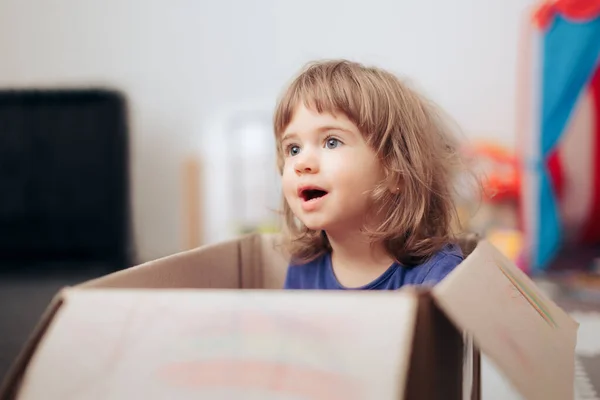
(305, 276)
(438, 266)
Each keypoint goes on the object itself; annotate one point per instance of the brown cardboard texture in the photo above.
(164, 330)
(528, 337)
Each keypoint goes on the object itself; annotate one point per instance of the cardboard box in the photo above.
(149, 332)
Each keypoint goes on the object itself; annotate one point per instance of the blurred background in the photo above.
(131, 130)
(197, 73)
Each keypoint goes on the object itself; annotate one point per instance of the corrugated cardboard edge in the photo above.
(12, 381)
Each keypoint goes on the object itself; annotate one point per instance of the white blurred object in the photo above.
(241, 182)
(254, 179)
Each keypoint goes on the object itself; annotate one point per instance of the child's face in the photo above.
(329, 171)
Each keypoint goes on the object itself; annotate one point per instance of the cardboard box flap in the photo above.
(438, 367)
(528, 337)
(253, 261)
(214, 266)
(187, 344)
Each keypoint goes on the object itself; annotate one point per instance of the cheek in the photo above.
(351, 170)
(287, 183)
(360, 179)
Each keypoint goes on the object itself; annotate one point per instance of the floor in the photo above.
(24, 296)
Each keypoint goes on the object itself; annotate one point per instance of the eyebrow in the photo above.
(321, 129)
(288, 135)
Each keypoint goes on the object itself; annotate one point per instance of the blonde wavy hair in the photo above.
(413, 142)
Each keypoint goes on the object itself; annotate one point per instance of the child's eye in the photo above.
(332, 143)
(292, 150)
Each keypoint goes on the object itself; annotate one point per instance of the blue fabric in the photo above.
(570, 52)
(549, 226)
(319, 274)
(570, 55)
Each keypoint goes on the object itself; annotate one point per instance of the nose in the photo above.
(306, 163)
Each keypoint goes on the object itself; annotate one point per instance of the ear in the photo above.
(395, 190)
(393, 184)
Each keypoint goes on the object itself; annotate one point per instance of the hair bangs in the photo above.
(332, 89)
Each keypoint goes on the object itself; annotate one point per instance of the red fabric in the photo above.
(556, 173)
(591, 232)
(578, 10)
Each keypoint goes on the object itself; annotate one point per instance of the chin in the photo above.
(314, 225)
(328, 226)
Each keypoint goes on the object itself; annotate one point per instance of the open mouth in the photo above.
(309, 194)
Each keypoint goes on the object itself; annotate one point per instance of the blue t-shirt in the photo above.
(318, 274)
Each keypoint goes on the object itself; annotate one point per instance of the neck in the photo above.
(354, 255)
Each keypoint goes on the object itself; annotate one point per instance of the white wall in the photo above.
(185, 63)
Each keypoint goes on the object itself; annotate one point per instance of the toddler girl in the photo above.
(367, 169)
